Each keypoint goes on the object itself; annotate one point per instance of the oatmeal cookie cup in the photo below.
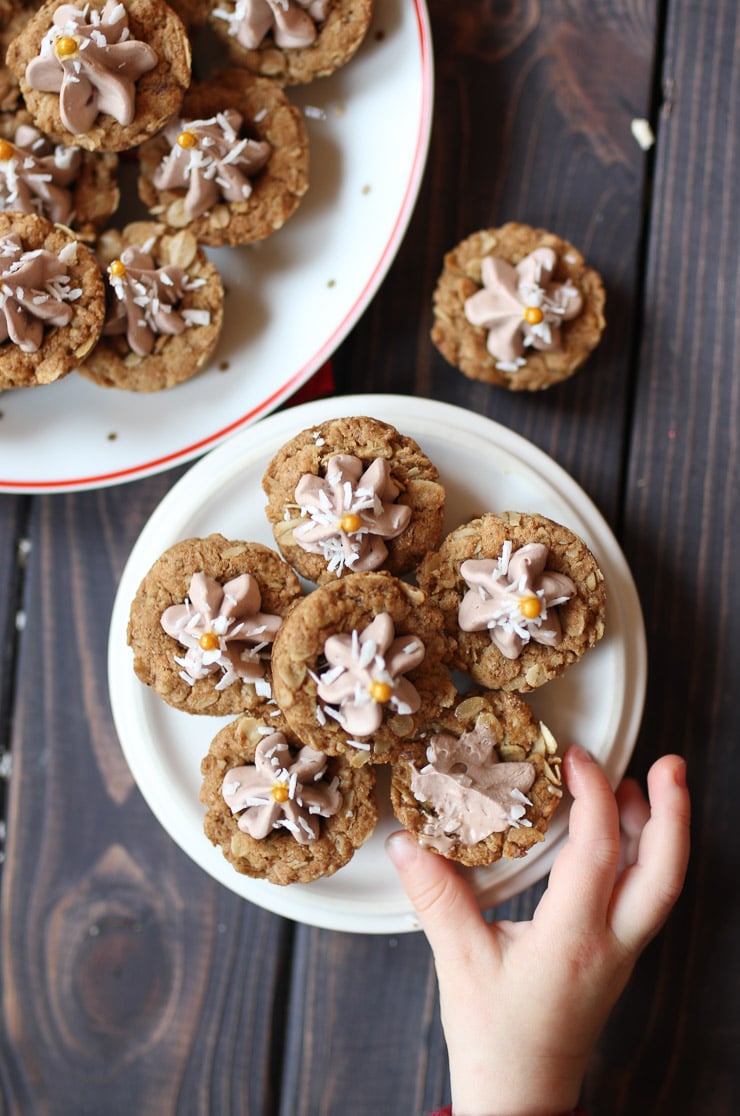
(517, 307)
(529, 593)
(357, 667)
(292, 42)
(353, 494)
(67, 185)
(203, 620)
(232, 167)
(278, 810)
(101, 74)
(165, 309)
(52, 301)
(487, 786)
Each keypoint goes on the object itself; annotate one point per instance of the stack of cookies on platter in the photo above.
(222, 160)
(336, 655)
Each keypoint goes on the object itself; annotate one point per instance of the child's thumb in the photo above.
(442, 899)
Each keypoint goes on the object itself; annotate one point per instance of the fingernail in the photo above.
(581, 753)
(679, 774)
(400, 848)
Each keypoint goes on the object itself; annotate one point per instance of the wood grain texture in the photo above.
(131, 982)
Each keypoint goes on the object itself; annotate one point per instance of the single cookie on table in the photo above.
(203, 620)
(232, 167)
(522, 596)
(280, 810)
(101, 74)
(357, 667)
(517, 307)
(52, 301)
(293, 41)
(165, 309)
(353, 494)
(66, 184)
(487, 785)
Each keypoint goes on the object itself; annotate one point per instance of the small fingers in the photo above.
(634, 813)
(648, 889)
(582, 877)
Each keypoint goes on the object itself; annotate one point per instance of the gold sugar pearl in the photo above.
(208, 641)
(530, 607)
(7, 151)
(117, 269)
(380, 691)
(66, 46)
(187, 139)
(279, 792)
(533, 315)
(350, 522)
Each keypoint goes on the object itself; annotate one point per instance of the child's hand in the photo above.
(523, 1003)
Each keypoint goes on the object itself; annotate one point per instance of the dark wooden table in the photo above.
(131, 981)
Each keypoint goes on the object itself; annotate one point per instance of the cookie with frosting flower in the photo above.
(522, 596)
(353, 494)
(164, 309)
(280, 810)
(486, 785)
(232, 166)
(66, 184)
(357, 667)
(517, 307)
(102, 74)
(203, 623)
(291, 41)
(52, 301)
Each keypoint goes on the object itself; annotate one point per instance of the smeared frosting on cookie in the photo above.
(211, 160)
(472, 794)
(291, 22)
(35, 175)
(365, 674)
(283, 789)
(223, 630)
(35, 292)
(521, 306)
(515, 598)
(147, 298)
(89, 58)
(350, 511)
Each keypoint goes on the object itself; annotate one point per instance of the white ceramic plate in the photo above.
(291, 299)
(485, 467)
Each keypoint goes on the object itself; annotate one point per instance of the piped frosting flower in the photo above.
(89, 58)
(292, 22)
(521, 306)
(365, 674)
(211, 160)
(350, 511)
(35, 292)
(282, 789)
(515, 598)
(35, 175)
(223, 630)
(147, 300)
(472, 793)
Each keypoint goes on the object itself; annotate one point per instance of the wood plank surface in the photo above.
(132, 982)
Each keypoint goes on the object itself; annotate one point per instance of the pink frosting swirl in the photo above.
(35, 175)
(521, 307)
(366, 673)
(35, 292)
(350, 511)
(223, 630)
(292, 22)
(472, 793)
(282, 789)
(147, 297)
(515, 598)
(90, 60)
(211, 160)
